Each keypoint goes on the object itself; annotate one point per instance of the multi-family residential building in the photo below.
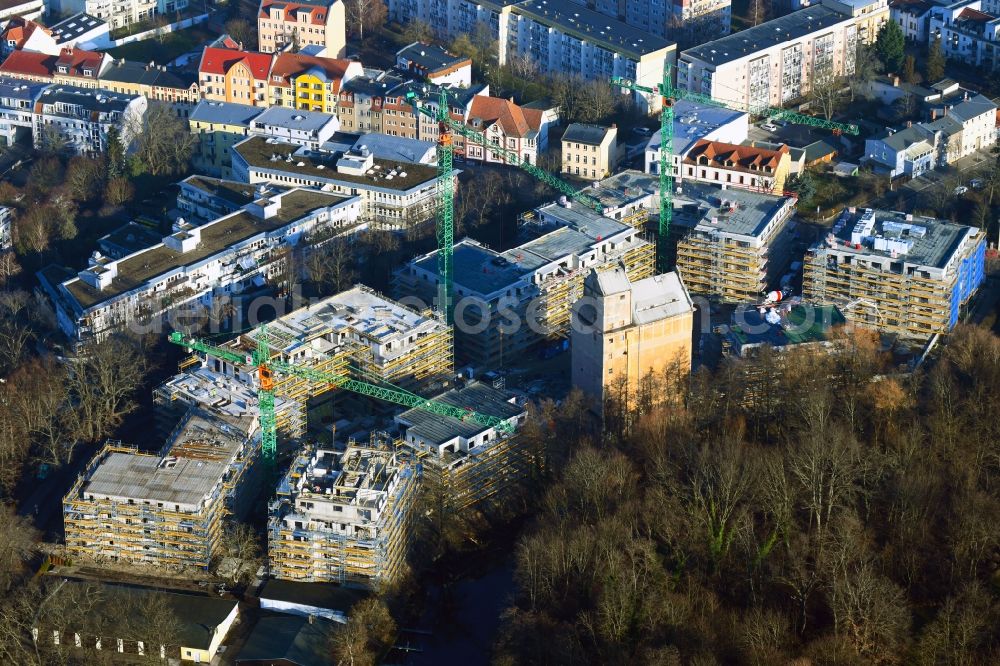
(435, 64)
(468, 465)
(629, 196)
(233, 75)
(773, 63)
(504, 123)
(748, 167)
(153, 82)
(590, 151)
(203, 198)
(310, 83)
(511, 302)
(82, 118)
(343, 516)
(914, 17)
(963, 129)
(25, 34)
(897, 273)
(969, 31)
(28, 9)
(119, 13)
(731, 243)
(303, 128)
(356, 333)
(869, 16)
(17, 108)
(164, 510)
(74, 67)
(393, 195)
(363, 102)
(193, 265)
(693, 122)
(627, 331)
(290, 25)
(219, 126)
(555, 37)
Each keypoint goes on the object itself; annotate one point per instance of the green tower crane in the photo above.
(445, 211)
(668, 94)
(266, 367)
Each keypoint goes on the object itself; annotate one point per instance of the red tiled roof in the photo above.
(287, 65)
(76, 60)
(19, 29)
(512, 119)
(219, 61)
(744, 157)
(974, 15)
(317, 15)
(30, 63)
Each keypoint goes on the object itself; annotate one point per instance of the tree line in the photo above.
(800, 505)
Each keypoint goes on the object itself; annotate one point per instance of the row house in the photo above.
(310, 83)
(74, 67)
(284, 25)
(914, 17)
(154, 82)
(729, 165)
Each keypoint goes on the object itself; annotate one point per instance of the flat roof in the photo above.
(387, 147)
(596, 28)
(92, 99)
(430, 56)
(137, 269)
(225, 113)
(75, 26)
(203, 446)
(237, 193)
(653, 299)
(258, 151)
(131, 237)
(787, 28)
(360, 309)
(933, 242)
(328, 596)
(747, 214)
(694, 121)
(476, 396)
(305, 121)
(799, 324)
(476, 267)
(623, 188)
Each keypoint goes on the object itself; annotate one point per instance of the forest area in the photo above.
(801, 508)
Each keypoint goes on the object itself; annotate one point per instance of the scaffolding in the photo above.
(343, 517)
(165, 509)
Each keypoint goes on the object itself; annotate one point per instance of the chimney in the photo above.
(933, 114)
(895, 80)
(909, 124)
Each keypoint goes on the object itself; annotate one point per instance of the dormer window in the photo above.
(63, 69)
(88, 72)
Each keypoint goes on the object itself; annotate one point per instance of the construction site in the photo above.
(897, 273)
(731, 243)
(537, 282)
(356, 333)
(343, 516)
(165, 509)
(468, 464)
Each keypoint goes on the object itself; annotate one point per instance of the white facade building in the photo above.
(303, 128)
(236, 252)
(119, 13)
(17, 101)
(693, 121)
(773, 63)
(83, 117)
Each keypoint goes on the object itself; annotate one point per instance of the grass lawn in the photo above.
(166, 48)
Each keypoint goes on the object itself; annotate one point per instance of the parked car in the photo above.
(769, 127)
(977, 183)
(644, 131)
(960, 190)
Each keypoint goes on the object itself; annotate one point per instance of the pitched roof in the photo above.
(288, 65)
(76, 60)
(19, 29)
(290, 639)
(431, 58)
(317, 11)
(127, 71)
(972, 107)
(592, 135)
(513, 120)
(29, 62)
(729, 155)
(216, 60)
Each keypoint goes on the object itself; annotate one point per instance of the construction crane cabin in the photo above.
(668, 94)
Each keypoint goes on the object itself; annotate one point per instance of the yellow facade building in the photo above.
(309, 83)
(626, 331)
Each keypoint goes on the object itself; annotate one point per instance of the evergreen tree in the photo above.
(935, 62)
(910, 69)
(889, 46)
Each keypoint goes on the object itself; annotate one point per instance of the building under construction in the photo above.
(470, 465)
(731, 244)
(895, 272)
(343, 516)
(510, 302)
(164, 509)
(355, 333)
